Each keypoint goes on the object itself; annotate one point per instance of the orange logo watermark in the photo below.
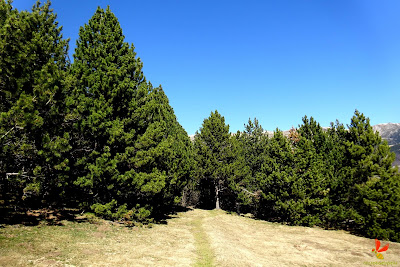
(377, 249)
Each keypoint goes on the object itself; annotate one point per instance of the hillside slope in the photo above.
(391, 133)
(396, 150)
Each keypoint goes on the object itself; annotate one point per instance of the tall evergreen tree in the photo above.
(375, 184)
(32, 69)
(254, 143)
(276, 201)
(162, 158)
(339, 213)
(313, 171)
(131, 153)
(104, 78)
(215, 155)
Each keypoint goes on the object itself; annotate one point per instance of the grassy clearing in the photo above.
(196, 237)
(240, 241)
(100, 244)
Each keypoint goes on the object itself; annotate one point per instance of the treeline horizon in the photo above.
(95, 135)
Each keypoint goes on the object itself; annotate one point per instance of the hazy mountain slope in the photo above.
(391, 133)
(396, 150)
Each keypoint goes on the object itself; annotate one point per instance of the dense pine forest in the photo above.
(93, 134)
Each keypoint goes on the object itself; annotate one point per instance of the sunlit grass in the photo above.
(101, 244)
(193, 238)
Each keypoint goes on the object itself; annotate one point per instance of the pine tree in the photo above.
(132, 154)
(104, 78)
(254, 142)
(214, 155)
(340, 214)
(364, 189)
(276, 201)
(32, 70)
(162, 158)
(313, 171)
(375, 184)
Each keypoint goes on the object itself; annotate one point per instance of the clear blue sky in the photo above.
(274, 60)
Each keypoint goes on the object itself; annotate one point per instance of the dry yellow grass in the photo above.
(240, 241)
(193, 238)
(104, 244)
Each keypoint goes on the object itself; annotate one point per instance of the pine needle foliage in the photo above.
(334, 178)
(132, 156)
(215, 159)
(33, 63)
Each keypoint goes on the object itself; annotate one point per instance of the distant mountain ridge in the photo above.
(389, 131)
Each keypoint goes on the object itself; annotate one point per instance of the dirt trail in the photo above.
(205, 254)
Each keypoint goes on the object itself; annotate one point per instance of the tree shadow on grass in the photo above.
(163, 217)
(55, 217)
(10, 216)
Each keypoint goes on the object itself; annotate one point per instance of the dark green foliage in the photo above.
(162, 159)
(293, 181)
(375, 190)
(215, 157)
(32, 70)
(277, 180)
(94, 134)
(332, 178)
(312, 161)
(254, 145)
(131, 153)
(104, 79)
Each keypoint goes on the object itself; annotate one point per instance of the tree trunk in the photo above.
(217, 207)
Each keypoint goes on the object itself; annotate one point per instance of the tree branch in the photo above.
(251, 193)
(7, 132)
(17, 173)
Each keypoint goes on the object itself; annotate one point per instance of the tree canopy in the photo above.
(33, 64)
(133, 154)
